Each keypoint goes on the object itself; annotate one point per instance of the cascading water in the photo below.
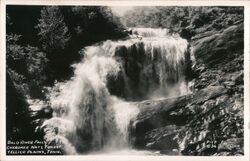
(92, 111)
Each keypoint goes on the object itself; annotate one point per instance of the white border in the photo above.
(245, 3)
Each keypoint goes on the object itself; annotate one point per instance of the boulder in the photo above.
(159, 120)
(162, 139)
(213, 48)
(231, 144)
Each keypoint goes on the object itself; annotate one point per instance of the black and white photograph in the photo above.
(130, 80)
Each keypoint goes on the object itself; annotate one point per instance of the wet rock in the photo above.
(45, 112)
(169, 113)
(187, 33)
(39, 109)
(233, 145)
(202, 35)
(229, 83)
(212, 49)
(238, 78)
(162, 138)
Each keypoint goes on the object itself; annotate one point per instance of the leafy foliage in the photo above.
(53, 31)
(93, 23)
(14, 51)
(26, 66)
(175, 18)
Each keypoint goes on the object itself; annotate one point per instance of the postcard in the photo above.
(124, 80)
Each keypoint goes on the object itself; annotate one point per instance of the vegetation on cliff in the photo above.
(176, 18)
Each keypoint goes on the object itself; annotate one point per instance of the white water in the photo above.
(87, 115)
(124, 112)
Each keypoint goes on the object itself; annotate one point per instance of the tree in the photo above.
(13, 50)
(36, 62)
(53, 31)
(26, 66)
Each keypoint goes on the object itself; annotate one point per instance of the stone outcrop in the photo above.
(159, 121)
(212, 49)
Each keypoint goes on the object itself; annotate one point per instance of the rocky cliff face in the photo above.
(209, 121)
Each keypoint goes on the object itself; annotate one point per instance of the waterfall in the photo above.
(92, 110)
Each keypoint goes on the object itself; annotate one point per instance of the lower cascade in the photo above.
(92, 110)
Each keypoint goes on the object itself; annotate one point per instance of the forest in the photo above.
(42, 43)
